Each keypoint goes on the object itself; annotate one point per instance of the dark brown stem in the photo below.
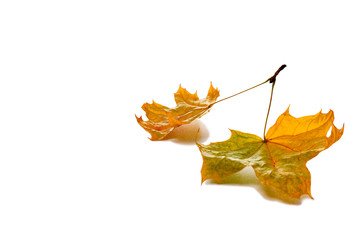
(273, 78)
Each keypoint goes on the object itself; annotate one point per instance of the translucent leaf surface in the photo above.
(280, 160)
(162, 120)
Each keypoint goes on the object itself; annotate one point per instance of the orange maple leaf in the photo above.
(162, 120)
(279, 160)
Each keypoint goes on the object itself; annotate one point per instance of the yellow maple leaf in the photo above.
(279, 160)
(162, 120)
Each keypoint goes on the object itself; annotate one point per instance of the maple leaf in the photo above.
(279, 160)
(162, 120)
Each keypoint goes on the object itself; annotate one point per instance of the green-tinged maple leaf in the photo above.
(279, 160)
(162, 120)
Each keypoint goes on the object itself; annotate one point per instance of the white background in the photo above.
(74, 163)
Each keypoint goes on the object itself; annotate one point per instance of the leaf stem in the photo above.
(269, 108)
(273, 81)
(238, 93)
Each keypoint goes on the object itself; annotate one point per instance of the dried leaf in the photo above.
(280, 160)
(162, 120)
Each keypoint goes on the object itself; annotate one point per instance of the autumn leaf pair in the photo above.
(278, 159)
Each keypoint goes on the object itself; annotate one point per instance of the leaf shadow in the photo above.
(186, 134)
(248, 178)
